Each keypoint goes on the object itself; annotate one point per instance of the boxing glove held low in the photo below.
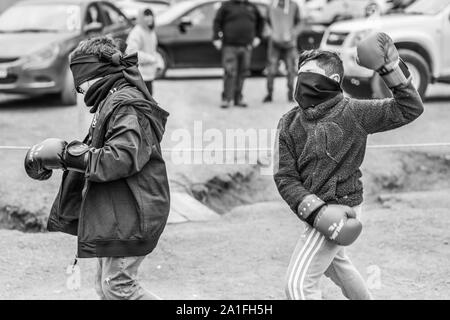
(338, 223)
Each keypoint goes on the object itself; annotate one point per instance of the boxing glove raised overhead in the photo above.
(377, 52)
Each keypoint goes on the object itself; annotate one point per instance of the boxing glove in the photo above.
(336, 222)
(53, 153)
(377, 52)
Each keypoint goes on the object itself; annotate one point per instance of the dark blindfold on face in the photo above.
(313, 89)
(88, 67)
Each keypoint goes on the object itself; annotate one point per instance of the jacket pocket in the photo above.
(334, 140)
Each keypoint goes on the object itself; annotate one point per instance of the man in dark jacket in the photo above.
(114, 194)
(318, 154)
(238, 28)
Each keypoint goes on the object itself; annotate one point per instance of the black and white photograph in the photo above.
(240, 152)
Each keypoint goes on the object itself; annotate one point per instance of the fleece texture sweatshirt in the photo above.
(320, 150)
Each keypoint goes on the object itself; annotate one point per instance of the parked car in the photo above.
(185, 36)
(329, 11)
(131, 7)
(36, 37)
(421, 33)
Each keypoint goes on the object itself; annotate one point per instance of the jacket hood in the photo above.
(156, 115)
(322, 109)
(140, 19)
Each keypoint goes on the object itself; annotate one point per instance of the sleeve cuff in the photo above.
(309, 205)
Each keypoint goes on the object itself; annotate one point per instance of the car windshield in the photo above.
(428, 7)
(41, 18)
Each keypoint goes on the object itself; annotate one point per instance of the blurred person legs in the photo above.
(236, 62)
(116, 279)
(244, 58)
(278, 53)
(314, 256)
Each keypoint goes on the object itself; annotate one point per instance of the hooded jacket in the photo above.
(319, 150)
(120, 205)
(143, 40)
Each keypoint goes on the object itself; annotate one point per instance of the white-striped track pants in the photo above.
(314, 255)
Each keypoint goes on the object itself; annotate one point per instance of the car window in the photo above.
(41, 18)
(203, 15)
(93, 15)
(112, 16)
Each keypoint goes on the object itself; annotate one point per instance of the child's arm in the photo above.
(286, 176)
(386, 114)
(378, 52)
(127, 149)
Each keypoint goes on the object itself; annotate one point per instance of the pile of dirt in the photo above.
(16, 218)
(383, 173)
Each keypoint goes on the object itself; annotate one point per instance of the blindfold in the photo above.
(88, 67)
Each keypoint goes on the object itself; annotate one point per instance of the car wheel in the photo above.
(418, 68)
(68, 96)
(164, 63)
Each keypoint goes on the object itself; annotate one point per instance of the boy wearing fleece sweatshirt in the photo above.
(320, 148)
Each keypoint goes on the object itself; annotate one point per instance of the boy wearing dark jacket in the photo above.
(114, 194)
(320, 148)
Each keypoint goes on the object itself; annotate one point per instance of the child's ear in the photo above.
(336, 77)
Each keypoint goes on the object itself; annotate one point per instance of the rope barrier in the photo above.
(374, 146)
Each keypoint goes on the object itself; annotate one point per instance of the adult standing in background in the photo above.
(284, 21)
(237, 28)
(142, 39)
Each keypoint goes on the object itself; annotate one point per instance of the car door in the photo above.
(194, 32)
(444, 54)
(116, 24)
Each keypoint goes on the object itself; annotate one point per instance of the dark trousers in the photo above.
(149, 85)
(276, 54)
(236, 64)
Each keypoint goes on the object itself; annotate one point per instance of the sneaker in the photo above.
(240, 103)
(267, 98)
(225, 104)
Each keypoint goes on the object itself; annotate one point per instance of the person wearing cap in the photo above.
(114, 194)
(142, 39)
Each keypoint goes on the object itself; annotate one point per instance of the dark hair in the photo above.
(329, 61)
(148, 12)
(96, 46)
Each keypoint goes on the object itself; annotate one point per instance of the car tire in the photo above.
(419, 70)
(165, 63)
(68, 95)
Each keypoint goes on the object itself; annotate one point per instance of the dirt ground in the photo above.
(247, 253)
(244, 254)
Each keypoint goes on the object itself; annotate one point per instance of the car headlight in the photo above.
(42, 58)
(358, 36)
